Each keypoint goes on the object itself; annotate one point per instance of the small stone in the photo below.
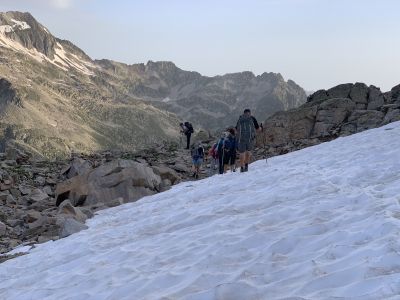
(40, 180)
(32, 216)
(47, 189)
(11, 200)
(25, 190)
(3, 196)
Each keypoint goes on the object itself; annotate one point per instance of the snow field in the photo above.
(320, 223)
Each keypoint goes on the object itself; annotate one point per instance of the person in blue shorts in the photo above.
(197, 153)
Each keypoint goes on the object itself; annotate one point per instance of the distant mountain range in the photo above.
(55, 99)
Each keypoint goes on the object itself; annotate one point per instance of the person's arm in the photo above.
(256, 126)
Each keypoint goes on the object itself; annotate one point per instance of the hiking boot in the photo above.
(242, 169)
(246, 167)
(196, 176)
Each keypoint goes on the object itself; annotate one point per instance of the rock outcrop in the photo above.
(339, 111)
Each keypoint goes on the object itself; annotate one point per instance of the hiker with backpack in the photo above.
(246, 133)
(197, 153)
(187, 129)
(227, 151)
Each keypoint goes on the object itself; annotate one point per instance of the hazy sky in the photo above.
(317, 43)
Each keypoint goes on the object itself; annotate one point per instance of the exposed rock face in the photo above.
(342, 110)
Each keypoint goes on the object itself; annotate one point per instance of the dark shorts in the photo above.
(245, 146)
(197, 162)
(229, 158)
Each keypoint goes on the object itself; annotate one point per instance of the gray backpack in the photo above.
(246, 131)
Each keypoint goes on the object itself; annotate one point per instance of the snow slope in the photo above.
(321, 223)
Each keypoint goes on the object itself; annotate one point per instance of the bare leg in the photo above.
(242, 159)
(247, 157)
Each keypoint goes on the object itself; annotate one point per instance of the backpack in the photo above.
(214, 151)
(246, 128)
(197, 153)
(189, 127)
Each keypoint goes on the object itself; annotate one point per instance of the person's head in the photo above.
(247, 112)
(231, 130)
(181, 124)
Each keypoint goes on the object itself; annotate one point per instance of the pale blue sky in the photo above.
(317, 43)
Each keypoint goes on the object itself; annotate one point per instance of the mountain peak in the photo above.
(22, 33)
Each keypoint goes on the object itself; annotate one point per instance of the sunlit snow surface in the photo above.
(321, 223)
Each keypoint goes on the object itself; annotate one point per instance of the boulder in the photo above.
(167, 173)
(32, 216)
(79, 166)
(69, 226)
(127, 179)
(25, 190)
(179, 167)
(37, 195)
(68, 210)
(75, 189)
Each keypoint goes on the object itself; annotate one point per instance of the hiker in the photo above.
(227, 151)
(220, 152)
(197, 153)
(213, 156)
(187, 129)
(231, 160)
(246, 133)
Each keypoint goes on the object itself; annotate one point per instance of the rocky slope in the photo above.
(328, 114)
(55, 99)
(43, 200)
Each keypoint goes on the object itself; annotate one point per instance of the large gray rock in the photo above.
(166, 173)
(37, 195)
(70, 226)
(66, 209)
(124, 179)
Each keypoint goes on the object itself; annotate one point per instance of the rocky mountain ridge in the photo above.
(65, 101)
(212, 102)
